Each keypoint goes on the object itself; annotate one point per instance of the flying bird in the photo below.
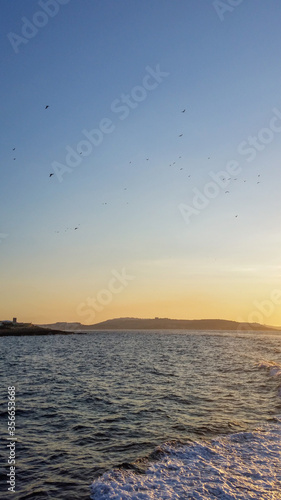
(46, 107)
(226, 191)
(51, 175)
(180, 135)
(183, 111)
(14, 158)
(14, 149)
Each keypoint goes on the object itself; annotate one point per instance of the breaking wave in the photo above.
(244, 465)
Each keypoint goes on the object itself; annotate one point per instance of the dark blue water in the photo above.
(88, 402)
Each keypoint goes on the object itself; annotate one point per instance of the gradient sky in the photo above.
(224, 68)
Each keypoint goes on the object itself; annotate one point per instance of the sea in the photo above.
(141, 415)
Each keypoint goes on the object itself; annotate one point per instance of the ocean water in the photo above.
(144, 415)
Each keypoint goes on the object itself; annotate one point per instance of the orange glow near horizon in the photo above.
(48, 306)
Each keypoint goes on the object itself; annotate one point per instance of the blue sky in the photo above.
(91, 54)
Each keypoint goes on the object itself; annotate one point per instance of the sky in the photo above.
(163, 133)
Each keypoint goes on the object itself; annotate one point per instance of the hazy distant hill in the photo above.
(161, 324)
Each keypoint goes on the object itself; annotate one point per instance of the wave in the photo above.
(238, 466)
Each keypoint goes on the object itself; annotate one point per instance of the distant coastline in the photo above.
(64, 328)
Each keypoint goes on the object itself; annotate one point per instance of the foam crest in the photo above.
(241, 466)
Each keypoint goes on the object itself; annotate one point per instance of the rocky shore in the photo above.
(18, 331)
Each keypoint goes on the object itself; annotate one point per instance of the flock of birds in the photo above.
(147, 159)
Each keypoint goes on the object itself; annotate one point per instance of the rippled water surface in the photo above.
(86, 403)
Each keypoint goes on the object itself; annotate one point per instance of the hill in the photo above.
(162, 324)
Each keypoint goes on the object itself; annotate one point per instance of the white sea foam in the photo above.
(240, 466)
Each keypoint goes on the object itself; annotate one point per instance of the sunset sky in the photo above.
(182, 227)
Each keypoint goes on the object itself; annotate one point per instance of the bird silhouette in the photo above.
(14, 158)
(51, 175)
(226, 191)
(180, 135)
(46, 107)
(14, 149)
(183, 111)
